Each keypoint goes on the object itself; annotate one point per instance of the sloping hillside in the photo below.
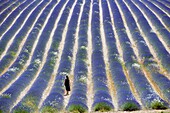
(116, 54)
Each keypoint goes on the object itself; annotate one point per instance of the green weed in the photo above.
(158, 105)
(13, 54)
(102, 107)
(20, 111)
(129, 106)
(6, 95)
(49, 109)
(76, 109)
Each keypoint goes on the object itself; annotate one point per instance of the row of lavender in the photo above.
(142, 85)
(124, 94)
(79, 89)
(161, 6)
(44, 77)
(99, 77)
(12, 32)
(55, 99)
(24, 55)
(7, 8)
(49, 65)
(28, 75)
(34, 95)
(144, 53)
(147, 94)
(162, 52)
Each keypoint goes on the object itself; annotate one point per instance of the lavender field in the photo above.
(115, 52)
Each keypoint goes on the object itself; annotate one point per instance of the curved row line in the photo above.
(79, 68)
(7, 11)
(12, 18)
(3, 2)
(99, 77)
(163, 17)
(151, 66)
(18, 40)
(5, 5)
(156, 25)
(144, 54)
(122, 83)
(161, 6)
(141, 49)
(55, 99)
(165, 2)
(30, 75)
(24, 58)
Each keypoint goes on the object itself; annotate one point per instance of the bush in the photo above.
(102, 107)
(12, 53)
(30, 103)
(164, 112)
(76, 109)
(20, 111)
(158, 105)
(6, 96)
(129, 106)
(49, 109)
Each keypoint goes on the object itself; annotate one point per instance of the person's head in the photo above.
(67, 78)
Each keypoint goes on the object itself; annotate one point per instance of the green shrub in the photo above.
(1, 50)
(1, 70)
(30, 103)
(55, 45)
(20, 111)
(77, 109)
(102, 107)
(49, 109)
(6, 95)
(129, 106)
(164, 112)
(1, 111)
(12, 53)
(158, 105)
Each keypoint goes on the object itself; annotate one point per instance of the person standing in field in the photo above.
(67, 85)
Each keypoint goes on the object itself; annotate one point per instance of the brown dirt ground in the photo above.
(140, 111)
